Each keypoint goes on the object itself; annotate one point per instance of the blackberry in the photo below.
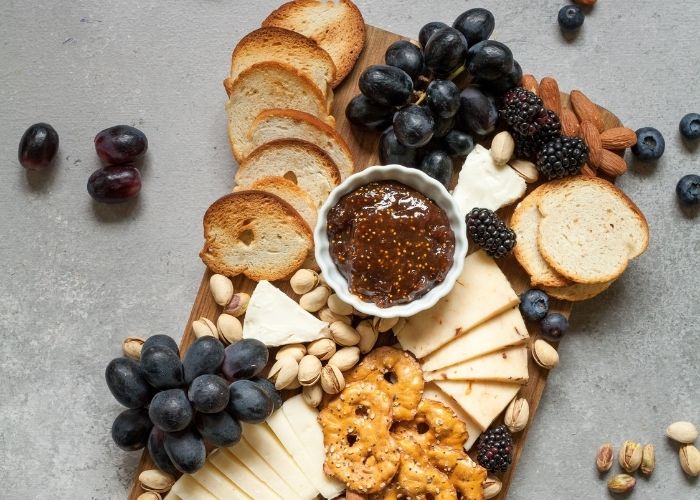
(495, 449)
(530, 123)
(561, 157)
(546, 126)
(490, 233)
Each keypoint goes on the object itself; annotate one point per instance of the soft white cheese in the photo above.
(482, 184)
(275, 319)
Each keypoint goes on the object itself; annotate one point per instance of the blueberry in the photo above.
(650, 144)
(438, 165)
(131, 428)
(688, 189)
(170, 410)
(248, 402)
(208, 393)
(534, 304)
(690, 126)
(220, 429)
(270, 389)
(244, 359)
(570, 18)
(554, 326)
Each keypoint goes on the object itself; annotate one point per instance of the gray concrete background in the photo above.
(76, 277)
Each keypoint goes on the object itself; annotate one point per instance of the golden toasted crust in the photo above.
(577, 291)
(526, 251)
(235, 227)
(292, 194)
(337, 27)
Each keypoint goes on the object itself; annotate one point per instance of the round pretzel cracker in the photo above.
(396, 373)
(418, 478)
(360, 450)
(468, 478)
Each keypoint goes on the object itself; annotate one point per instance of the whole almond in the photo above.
(591, 137)
(549, 92)
(238, 304)
(618, 138)
(526, 169)
(569, 123)
(621, 483)
(492, 487)
(529, 82)
(312, 394)
(332, 380)
(689, 456)
(586, 110)
(368, 336)
(323, 349)
(682, 432)
(345, 358)
(284, 372)
(132, 347)
(336, 305)
(502, 148)
(587, 170)
(329, 316)
(229, 328)
(156, 480)
(612, 164)
(604, 457)
(545, 355)
(630, 456)
(309, 370)
(315, 300)
(344, 334)
(221, 289)
(295, 351)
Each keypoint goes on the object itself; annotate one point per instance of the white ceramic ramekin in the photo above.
(419, 181)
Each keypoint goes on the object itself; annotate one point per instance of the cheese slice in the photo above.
(275, 319)
(248, 457)
(508, 365)
(432, 391)
(216, 483)
(481, 292)
(483, 401)
(505, 330)
(483, 184)
(186, 487)
(297, 427)
(171, 496)
(239, 474)
(261, 438)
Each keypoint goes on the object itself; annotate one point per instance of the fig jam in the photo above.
(392, 243)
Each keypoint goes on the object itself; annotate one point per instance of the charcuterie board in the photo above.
(364, 148)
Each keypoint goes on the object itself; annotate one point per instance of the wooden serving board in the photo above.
(364, 147)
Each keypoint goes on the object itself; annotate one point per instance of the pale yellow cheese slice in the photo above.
(505, 330)
(254, 462)
(483, 401)
(186, 487)
(482, 291)
(261, 438)
(171, 496)
(508, 365)
(432, 391)
(216, 483)
(239, 474)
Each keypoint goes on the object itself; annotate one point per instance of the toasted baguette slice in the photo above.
(292, 194)
(337, 27)
(299, 161)
(254, 233)
(590, 230)
(267, 85)
(577, 291)
(278, 44)
(525, 222)
(274, 124)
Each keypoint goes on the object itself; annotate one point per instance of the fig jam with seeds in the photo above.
(392, 243)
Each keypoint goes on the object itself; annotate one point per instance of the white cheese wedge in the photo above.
(483, 401)
(482, 184)
(254, 462)
(481, 292)
(432, 391)
(508, 365)
(239, 474)
(187, 488)
(275, 319)
(261, 438)
(219, 485)
(296, 425)
(505, 330)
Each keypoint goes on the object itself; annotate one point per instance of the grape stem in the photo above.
(421, 96)
(456, 72)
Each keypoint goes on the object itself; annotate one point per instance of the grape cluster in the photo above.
(119, 180)
(425, 118)
(175, 406)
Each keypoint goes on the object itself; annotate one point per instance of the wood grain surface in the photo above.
(364, 147)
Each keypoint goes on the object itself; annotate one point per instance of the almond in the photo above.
(612, 164)
(569, 123)
(586, 110)
(586, 169)
(549, 92)
(591, 137)
(529, 82)
(618, 138)
(586, 3)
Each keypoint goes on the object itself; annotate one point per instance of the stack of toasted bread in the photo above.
(577, 235)
(282, 134)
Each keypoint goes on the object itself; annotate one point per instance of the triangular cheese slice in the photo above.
(432, 391)
(254, 462)
(505, 330)
(483, 401)
(215, 482)
(187, 487)
(275, 319)
(238, 473)
(508, 365)
(481, 292)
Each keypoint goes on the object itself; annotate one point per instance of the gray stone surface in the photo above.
(77, 277)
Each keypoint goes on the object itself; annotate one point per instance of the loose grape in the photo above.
(38, 146)
(115, 184)
(120, 144)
